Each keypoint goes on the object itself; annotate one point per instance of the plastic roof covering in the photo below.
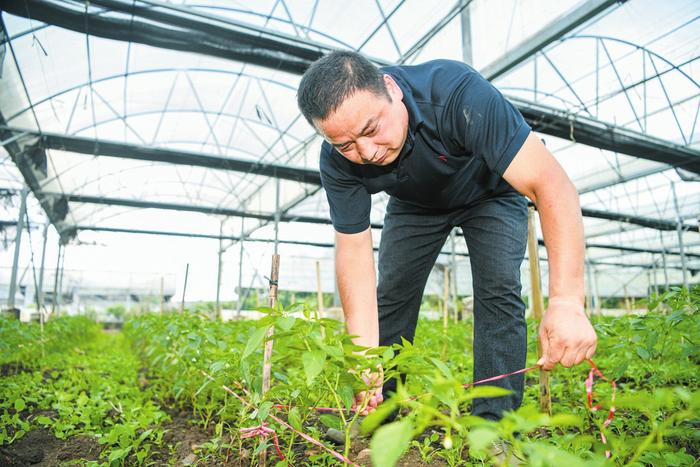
(69, 83)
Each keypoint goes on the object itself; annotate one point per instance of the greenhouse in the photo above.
(176, 283)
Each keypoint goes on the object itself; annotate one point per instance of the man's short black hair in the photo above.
(333, 78)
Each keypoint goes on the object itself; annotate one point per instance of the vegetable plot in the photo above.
(129, 391)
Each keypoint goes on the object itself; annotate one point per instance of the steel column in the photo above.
(18, 244)
(218, 271)
(40, 292)
(679, 230)
(239, 305)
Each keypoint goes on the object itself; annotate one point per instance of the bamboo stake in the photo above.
(267, 356)
(319, 297)
(184, 289)
(537, 305)
(445, 297)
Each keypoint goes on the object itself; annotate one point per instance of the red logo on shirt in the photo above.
(442, 157)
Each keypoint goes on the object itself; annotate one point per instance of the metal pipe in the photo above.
(60, 278)
(239, 305)
(40, 286)
(218, 271)
(277, 214)
(18, 244)
(184, 288)
(679, 230)
(54, 302)
(663, 258)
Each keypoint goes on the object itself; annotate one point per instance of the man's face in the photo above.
(366, 128)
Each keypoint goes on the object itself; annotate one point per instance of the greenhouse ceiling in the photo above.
(111, 109)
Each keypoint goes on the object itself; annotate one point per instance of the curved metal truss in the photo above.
(200, 107)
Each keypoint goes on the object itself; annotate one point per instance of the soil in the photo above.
(14, 368)
(42, 449)
(412, 458)
(181, 439)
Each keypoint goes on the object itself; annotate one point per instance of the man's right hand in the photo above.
(367, 401)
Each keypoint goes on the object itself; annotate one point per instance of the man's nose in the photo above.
(366, 148)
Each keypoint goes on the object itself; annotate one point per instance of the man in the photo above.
(450, 151)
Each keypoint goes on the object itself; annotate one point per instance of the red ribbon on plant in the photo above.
(308, 438)
(263, 431)
(589, 392)
(594, 408)
(496, 378)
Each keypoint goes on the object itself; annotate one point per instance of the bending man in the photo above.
(450, 151)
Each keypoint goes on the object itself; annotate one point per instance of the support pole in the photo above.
(445, 297)
(319, 292)
(679, 231)
(239, 305)
(267, 356)
(537, 306)
(663, 261)
(589, 288)
(184, 288)
(277, 214)
(274, 275)
(60, 279)
(453, 281)
(465, 19)
(598, 305)
(54, 302)
(15, 261)
(162, 294)
(40, 286)
(218, 271)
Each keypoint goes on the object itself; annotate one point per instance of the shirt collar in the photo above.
(415, 116)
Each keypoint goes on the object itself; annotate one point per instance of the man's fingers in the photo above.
(555, 352)
(580, 356)
(568, 357)
(591, 351)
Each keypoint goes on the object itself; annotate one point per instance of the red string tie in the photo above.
(594, 408)
(264, 432)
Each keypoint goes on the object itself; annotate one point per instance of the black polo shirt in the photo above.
(462, 135)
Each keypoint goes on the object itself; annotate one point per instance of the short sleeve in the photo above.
(485, 124)
(348, 198)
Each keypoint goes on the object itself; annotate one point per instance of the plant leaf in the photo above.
(254, 342)
(313, 364)
(390, 442)
(643, 353)
(19, 404)
(294, 418)
(480, 438)
(331, 421)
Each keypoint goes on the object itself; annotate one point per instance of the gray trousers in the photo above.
(495, 230)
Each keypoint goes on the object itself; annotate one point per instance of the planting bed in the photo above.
(153, 394)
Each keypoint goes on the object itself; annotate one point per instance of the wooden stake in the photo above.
(267, 356)
(319, 297)
(445, 297)
(537, 305)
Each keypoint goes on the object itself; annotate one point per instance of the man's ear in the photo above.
(392, 88)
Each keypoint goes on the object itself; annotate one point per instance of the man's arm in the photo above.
(566, 334)
(357, 285)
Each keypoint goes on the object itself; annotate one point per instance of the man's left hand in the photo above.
(566, 334)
